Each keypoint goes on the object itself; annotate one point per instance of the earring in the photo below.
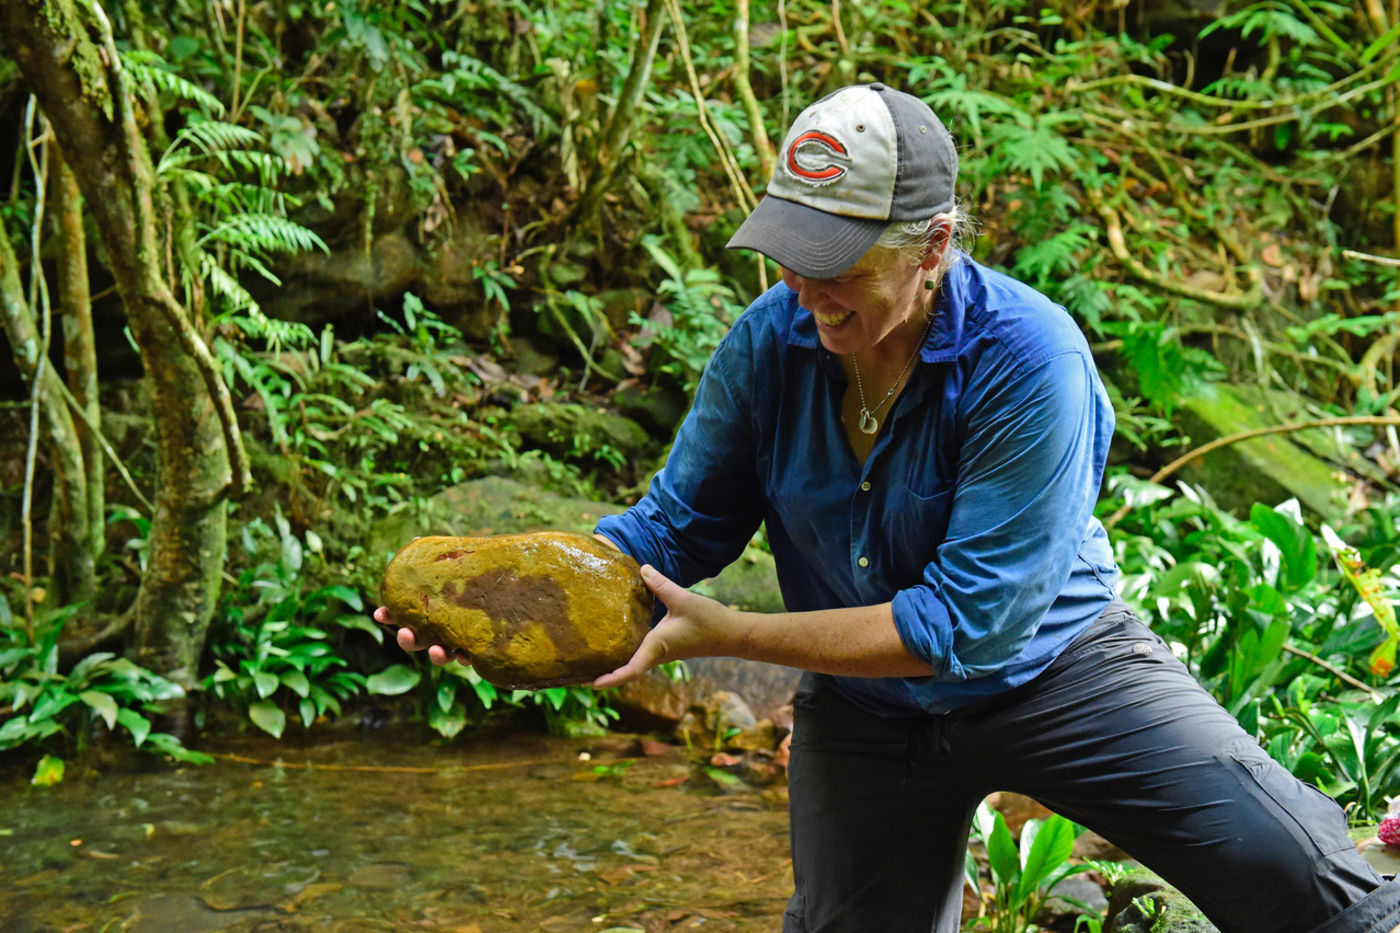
(930, 284)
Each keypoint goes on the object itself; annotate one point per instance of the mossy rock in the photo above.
(530, 610)
(570, 430)
(1268, 469)
(1141, 902)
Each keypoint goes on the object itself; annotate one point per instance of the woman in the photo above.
(925, 439)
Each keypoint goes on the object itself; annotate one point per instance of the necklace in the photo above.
(867, 422)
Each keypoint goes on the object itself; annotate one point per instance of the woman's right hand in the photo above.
(409, 642)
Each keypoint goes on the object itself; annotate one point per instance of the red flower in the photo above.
(1390, 831)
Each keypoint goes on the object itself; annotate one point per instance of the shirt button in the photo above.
(864, 562)
(865, 486)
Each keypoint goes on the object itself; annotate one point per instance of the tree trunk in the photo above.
(80, 360)
(71, 564)
(65, 53)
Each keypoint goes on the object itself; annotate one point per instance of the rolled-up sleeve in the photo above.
(1028, 474)
(705, 504)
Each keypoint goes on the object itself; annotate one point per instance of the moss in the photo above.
(65, 19)
(1141, 902)
(1266, 469)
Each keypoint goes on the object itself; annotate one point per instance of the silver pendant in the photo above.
(867, 422)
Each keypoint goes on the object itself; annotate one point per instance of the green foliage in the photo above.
(1270, 630)
(1024, 875)
(271, 639)
(43, 707)
(701, 309)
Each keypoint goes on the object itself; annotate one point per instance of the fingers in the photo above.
(409, 642)
(651, 652)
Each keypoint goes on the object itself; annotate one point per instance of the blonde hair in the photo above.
(911, 237)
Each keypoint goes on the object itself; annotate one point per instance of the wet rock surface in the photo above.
(530, 610)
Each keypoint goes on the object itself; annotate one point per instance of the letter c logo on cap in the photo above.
(816, 158)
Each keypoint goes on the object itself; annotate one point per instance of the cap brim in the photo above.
(812, 243)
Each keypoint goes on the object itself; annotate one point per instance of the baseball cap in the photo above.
(854, 162)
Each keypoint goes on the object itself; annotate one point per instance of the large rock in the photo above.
(531, 610)
(498, 505)
(1267, 469)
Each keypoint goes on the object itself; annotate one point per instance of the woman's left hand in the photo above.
(694, 626)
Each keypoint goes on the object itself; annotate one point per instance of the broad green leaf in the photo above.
(51, 702)
(266, 683)
(139, 726)
(268, 716)
(1002, 854)
(724, 779)
(447, 723)
(102, 704)
(362, 623)
(400, 678)
(296, 682)
(346, 594)
(308, 712)
(446, 694)
(1297, 549)
(1051, 848)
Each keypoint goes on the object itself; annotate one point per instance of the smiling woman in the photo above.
(924, 439)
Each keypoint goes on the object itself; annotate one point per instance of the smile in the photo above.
(831, 320)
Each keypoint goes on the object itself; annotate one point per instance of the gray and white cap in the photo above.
(854, 162)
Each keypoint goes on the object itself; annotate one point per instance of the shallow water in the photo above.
(371, 832)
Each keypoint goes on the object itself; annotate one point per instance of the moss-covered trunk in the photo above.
(71, 561)
(67, 58)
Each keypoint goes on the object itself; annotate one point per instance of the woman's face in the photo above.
(862, 306)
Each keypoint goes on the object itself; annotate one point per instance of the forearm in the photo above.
(857, 642)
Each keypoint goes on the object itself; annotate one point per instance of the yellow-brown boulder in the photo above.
(531, 610)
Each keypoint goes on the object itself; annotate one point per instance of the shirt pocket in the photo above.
(920, 523)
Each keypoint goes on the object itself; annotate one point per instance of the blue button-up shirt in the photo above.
(973, 514)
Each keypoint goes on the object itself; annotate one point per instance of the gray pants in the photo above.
(1115, 735)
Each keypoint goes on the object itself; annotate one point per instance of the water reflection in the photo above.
(504, 833)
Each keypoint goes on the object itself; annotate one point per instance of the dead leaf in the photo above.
(308, 893)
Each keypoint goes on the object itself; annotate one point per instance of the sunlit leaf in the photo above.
(48, 772)
(1001, 853)
(265, 683)
(1297, 549)
(1051, 848)
(102, 704)
(296, 681)
(268, 716)
(1367, 581)
(1382, 660)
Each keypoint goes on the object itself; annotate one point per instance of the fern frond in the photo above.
(264, 233)
(225, 286)
(146, 66)
(230, 196)
(1033, 149)
(1052, 256)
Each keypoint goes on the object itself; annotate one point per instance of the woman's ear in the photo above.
(940, 233)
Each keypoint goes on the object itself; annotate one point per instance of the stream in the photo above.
(372, 831)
